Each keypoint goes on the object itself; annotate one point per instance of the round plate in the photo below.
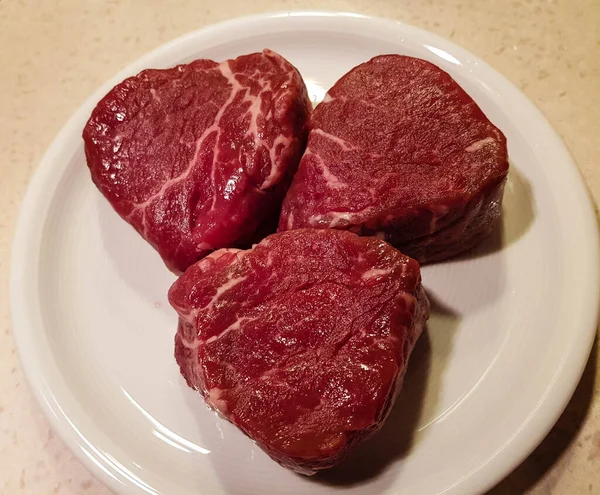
(511, 327)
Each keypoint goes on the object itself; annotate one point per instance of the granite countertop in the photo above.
(54, 54)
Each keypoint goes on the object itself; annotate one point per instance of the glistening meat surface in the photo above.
(198, 157)
(397, 149)
(302, 341)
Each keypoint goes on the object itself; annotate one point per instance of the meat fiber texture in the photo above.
(398, 150)
(199, 156)
(302, 341)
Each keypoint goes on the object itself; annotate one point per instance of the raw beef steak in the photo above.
(398, 150)
(302, 341)
(198, 157)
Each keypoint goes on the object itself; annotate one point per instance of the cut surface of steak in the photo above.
(199, 156)
(398, 150)
(302, 341)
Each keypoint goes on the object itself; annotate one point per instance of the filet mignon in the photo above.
(199, 156)
(302, 341)
(398, 150)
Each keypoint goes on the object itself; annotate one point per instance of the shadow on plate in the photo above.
(562, 436)
(137, 263)
(518, 214)
(141, 268)
(414, 408)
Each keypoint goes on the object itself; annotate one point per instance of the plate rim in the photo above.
(23, 274)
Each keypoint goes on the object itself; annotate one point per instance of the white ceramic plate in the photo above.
(510, 332)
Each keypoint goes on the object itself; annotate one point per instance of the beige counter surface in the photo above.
(54, 54)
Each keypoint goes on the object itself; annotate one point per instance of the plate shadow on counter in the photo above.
(414, 407)
(531, 472)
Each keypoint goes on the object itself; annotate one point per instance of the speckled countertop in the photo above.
(54, 54)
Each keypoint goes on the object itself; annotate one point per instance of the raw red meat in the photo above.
(198, 157)
(302, 341)
(398, 150)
